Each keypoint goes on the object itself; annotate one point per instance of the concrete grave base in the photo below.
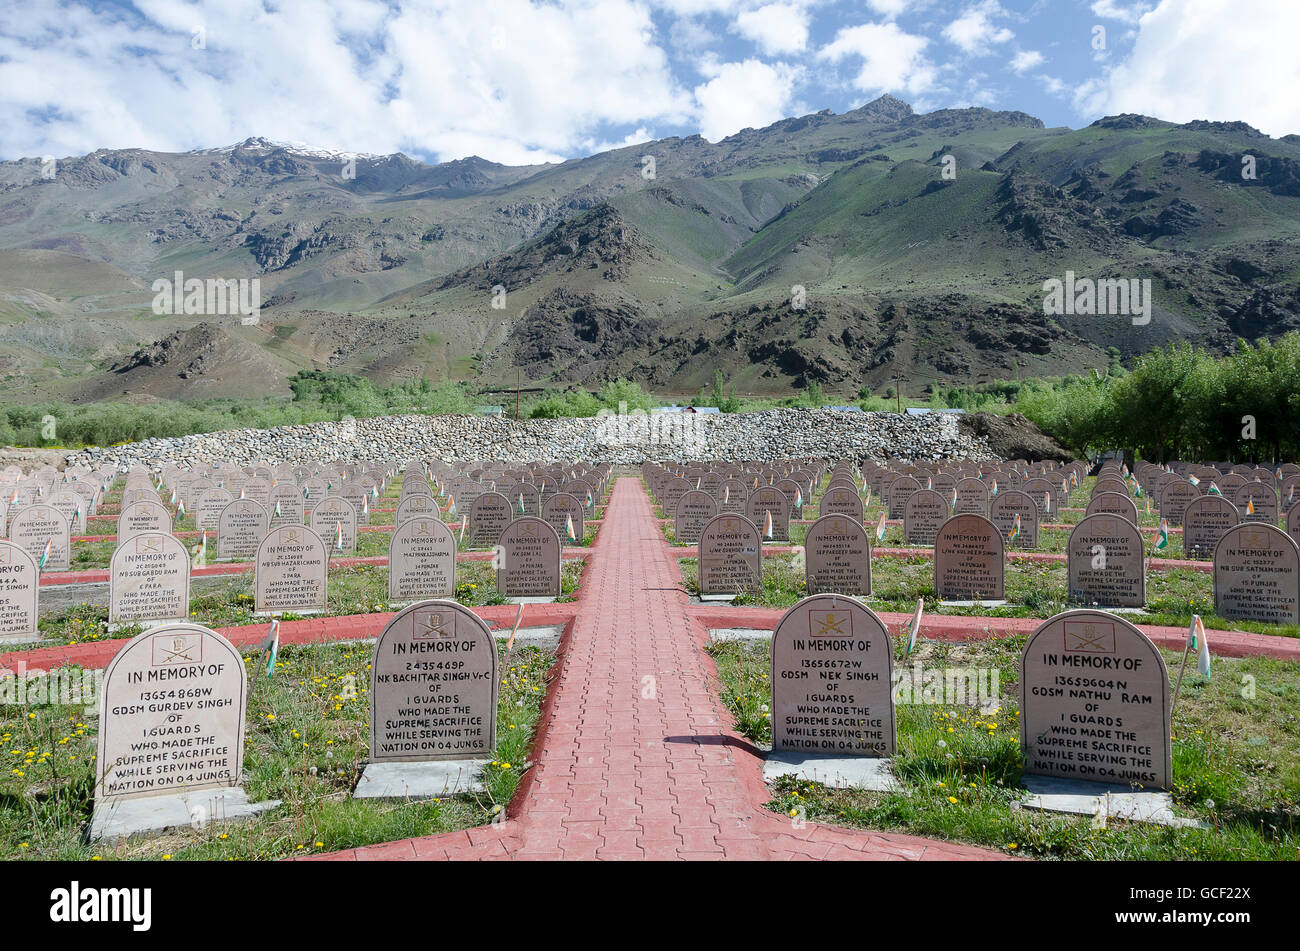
(738, 634)
(859, 772)
(1122, 610)
(424, 780)
(531, 600)
(126, 818)
(1115, 801)
(31, 638)
(972, 604)
(718, 598)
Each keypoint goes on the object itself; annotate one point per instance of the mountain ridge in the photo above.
(663, 271)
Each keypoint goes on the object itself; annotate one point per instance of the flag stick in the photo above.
(519, 616)
(1187, 647)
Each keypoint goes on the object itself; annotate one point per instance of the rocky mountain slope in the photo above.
(845, 249)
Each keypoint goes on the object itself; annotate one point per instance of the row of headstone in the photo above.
(832, 676)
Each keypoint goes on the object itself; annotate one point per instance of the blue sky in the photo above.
(520, 81)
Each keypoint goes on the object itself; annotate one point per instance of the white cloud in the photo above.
(974, 31)
(749, 94)
(1116, 10)
(889, 8)
(892, 60)
(513, 80)
(776, 27)
(1194, 59)
(1026, 60)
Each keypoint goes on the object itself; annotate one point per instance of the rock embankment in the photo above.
(620, 439)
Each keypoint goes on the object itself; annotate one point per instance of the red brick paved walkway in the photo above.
(635, 758)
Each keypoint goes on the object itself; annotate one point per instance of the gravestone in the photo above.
(694, 510)
(489, 514)
(838, 557)
(1105, 562)
(242, 525)
(140, 517)
(832, 680)
(561, 509)
(731, 557)
(1259, 496)
(335, 521)
(1257, 575)
(1112, 503)
(433, 689)
(34, 527)
(972, 497)
(1094, 701)
(149, 579)
(285, 498)
(843, 501)
(1293, 523)
(925, 513)
(529, 560)
(171, 733)
(1175, 496)
(291, 570)
(19, 593)
(1204, 522)
(732, 497)
(969, 560)
(421, 561)
(207, 514)
(416, 505)
(900, 490)
(1004, 508)
(765, 500)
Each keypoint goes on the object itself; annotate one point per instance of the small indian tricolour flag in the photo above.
(45, 555)
(201, 550)
(1250, 506)
(993, 489)
(278, 513)
(180, 509)
(1197, 641)
(914, 628)
(952, 503)
(767, 525)
(568, 527)
(272, 647)
(365, 507)
(590, 501)
(521, 503)
(1047, 503)
(880, 528)
(451, 505)
(1015, 529)
(726, 493)
(1193, 480)
(338, 536)
(1213, 490)
(1161, 538)
(798, 498)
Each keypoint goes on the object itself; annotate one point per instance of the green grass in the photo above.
(307, 743)
(1236, 760)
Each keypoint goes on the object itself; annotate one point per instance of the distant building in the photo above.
(487, 410)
